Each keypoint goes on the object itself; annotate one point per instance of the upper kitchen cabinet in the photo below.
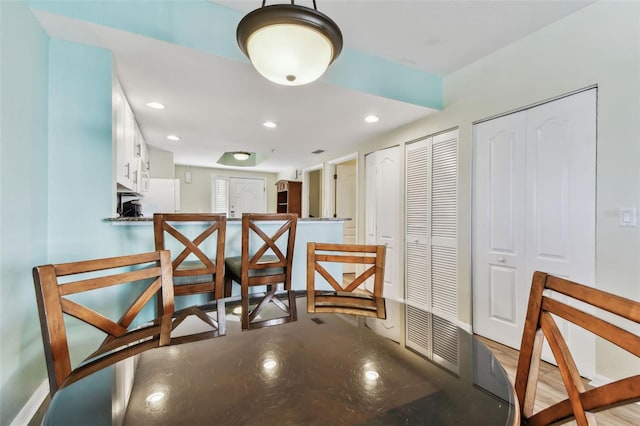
(132, 163)
(143, 164)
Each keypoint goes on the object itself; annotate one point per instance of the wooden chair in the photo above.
(540, 324)
(346, 299)
(203, 275)
(78, 288)
(266, 260)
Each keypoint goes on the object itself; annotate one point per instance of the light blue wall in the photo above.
(56, 182)
(80, 152)
(210, 27)
(23, 209)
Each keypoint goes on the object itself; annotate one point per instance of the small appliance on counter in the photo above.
(132, 208)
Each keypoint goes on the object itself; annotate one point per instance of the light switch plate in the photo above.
(627, 217)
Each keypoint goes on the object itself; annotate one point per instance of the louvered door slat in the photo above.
(431, 241)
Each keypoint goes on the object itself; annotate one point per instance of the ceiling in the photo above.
(216, 104)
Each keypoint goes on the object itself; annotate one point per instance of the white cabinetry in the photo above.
(132, 164)
(141, 160)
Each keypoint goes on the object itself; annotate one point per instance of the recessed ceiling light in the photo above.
(155, 105)
(173, 138)
(371, 119)
(270, 124)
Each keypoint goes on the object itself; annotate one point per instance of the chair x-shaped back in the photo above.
(348, 298)
(204, 275)
(267, 265)
(606, 315)
(145, 275)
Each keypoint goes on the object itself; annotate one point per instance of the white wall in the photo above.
(598, 45)
(196, 196)
(161, 164)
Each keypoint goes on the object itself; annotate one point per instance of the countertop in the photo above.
(230, 219)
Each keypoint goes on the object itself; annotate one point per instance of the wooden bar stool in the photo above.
(267, 256)
(348, 299)
(603, 314)
(77, 288)
(196, 270)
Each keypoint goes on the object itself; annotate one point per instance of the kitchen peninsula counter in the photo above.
(135, 235)
(143, 219)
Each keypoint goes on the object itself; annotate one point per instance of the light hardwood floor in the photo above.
(551, 388)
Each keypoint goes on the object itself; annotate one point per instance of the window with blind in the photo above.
(220, 194)
(431, 284)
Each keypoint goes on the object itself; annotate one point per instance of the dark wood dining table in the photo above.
(323, 369)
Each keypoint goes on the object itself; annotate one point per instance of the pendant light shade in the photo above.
(289, 44)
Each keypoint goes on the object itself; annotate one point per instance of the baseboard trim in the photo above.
(600, 380)
(466, 327)
(32, 406)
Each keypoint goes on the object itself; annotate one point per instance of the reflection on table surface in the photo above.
(413, 368)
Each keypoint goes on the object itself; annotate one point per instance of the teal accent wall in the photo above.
(80, 152)
(23, 210)
(367, 73)
(199, 24)
(56, 182)
(210, 27)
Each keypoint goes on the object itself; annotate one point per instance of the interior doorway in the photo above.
(235, 195)
(342, 195)
(312, 191)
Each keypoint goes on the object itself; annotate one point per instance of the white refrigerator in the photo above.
(163, 197)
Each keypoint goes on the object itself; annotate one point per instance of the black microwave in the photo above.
(132, 208)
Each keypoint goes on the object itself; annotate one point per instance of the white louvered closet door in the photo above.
(431, 247)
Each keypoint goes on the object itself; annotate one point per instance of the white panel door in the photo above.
(246, 196)
(534, 193)
(501, 282)
(387, 216)
(382, 198)
(561, 153)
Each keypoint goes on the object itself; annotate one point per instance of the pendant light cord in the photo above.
(293, 2)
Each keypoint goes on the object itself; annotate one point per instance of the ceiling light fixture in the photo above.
(270, 124)
(289, 44)
(241, 155)
(371, 119)
(173, 137)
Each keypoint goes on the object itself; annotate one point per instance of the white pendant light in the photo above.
(289, 44)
